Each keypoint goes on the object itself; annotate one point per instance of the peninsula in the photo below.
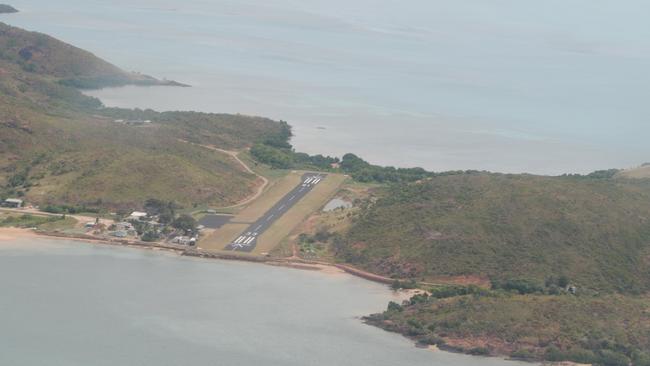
(7, 9)
(523, 266)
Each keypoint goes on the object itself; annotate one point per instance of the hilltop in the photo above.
(642, 172)
(7, 9)
(58, 146)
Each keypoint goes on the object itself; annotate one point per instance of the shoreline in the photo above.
(325, 268)
(12, 233)
(8, 234)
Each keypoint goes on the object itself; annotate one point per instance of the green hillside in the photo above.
(58, 146)
(607, 330)
(567, 259)
(594, 231)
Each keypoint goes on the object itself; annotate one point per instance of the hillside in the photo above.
(503, 227)
(7, 9)
(642, 172)
(58, 146)
(43, 55)
(608, 330)
(562, 263)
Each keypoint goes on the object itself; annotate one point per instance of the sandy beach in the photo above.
(11, 233)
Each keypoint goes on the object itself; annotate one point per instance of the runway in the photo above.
(247, 241)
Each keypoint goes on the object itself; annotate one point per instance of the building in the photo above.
(13, 202)
(137, 215)
(126, 227)
(184, 240)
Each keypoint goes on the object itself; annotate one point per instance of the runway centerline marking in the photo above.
(249, 240)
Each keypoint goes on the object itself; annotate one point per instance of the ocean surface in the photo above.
(545, 87)
(74, 304)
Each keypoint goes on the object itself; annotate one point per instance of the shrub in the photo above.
(393, 306)
(521, 286)
(479, 351)
(407, 285)
(611, 358)
(523, 354)
(150, 236)
(185, 222)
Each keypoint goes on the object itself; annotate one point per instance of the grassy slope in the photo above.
(596, 232)
(74, 153)
(642, 172)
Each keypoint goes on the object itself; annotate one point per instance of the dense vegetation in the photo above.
(565, 260)
(287, 158)
(596, 232)
(59, 147)
(607, 330)
(284, 157)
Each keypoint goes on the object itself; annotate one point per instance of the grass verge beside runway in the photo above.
(222, 236)
(264, 203)
(313, 201)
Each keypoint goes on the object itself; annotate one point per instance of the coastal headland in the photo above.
(535, 268)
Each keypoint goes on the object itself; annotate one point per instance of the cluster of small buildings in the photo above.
(124, 229)
(137, 215)
(127, 228)
(184, 240)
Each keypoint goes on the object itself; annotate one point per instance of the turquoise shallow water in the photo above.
(509, 85)
(71, 304)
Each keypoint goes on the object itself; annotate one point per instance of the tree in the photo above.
(150, 236)
(166, 217)
(563, 281)
(393, 306)
(185, 222)
(164, 210)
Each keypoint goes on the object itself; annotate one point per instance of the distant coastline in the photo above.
(7, 9)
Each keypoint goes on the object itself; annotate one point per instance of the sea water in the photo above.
(67, 303)
(545, 87)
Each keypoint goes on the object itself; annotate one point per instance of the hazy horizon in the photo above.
(510, 86)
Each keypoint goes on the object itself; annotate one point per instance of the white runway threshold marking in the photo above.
(246, 240)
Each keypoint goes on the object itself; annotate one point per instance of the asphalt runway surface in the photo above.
(215, 221)
(247, 241)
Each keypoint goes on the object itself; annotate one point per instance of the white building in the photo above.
(13, 202)
(137, 215)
